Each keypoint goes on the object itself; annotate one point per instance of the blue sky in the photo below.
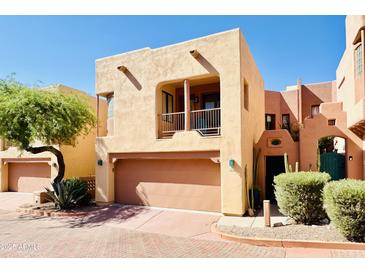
(63, 49)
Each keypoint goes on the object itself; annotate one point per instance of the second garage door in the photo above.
(186, 183)
(28, 177)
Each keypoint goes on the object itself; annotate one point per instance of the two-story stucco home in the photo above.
(183, 121)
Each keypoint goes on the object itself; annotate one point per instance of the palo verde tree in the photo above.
(30, 114)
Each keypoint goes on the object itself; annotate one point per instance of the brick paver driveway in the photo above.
(116, 231)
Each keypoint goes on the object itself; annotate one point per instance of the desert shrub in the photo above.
(70, 193)
(344, 202)
(299, 195)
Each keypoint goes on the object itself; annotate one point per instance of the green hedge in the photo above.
(344, 202)
(299, 195)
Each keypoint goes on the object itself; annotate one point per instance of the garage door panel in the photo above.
(28, 177)
(188, 184)
(188, 196)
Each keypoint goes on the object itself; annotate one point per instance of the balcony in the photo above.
(207, 122)
(189, 105)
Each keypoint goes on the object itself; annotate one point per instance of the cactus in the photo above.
(318, 159)
(286, 163)
(288, 168)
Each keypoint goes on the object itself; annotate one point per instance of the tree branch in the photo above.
(59, 156)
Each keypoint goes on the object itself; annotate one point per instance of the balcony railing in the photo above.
(206, 121)
(169, 123)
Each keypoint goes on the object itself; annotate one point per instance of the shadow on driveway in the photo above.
(100, 215)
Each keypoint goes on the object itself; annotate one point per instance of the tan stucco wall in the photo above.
(79, 159)
(136, 106)
(351, 89)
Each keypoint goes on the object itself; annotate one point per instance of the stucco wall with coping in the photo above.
(317, 127)
(136, 106)
(345, 76)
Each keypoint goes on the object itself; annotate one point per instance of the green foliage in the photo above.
(70, 193)
(29, 114)
(299, 195)
(255, 174)
(344, 202)
(326, 144)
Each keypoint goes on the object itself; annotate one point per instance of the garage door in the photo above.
(188, 184)
(28, 177)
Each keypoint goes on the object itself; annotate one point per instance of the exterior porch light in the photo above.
(100, 162)
(194, 53)
(231, 164)
(122, 68)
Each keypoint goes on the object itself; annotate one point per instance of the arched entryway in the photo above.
(332, 154)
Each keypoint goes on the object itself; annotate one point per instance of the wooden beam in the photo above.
(187, 104)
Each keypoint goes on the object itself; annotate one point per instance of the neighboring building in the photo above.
(26, 172)
(183, 121)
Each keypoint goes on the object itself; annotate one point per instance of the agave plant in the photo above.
(69, 194)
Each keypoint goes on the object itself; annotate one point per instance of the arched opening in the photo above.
(332, 156)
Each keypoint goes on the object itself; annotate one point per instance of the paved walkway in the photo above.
(116, 231)
(11, 200)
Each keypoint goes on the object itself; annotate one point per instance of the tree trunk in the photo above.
(60, 161)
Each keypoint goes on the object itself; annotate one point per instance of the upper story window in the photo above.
(269, 121)
(245, 95)
(167, 102)
(110, 101)
(285, 120)
(314, 110)
(358, 61)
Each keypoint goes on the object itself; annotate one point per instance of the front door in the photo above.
(274, 166)
(211, 101)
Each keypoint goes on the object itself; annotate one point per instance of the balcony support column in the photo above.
(187, 104)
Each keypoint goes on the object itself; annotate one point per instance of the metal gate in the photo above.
(334, 164)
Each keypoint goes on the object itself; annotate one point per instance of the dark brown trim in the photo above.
(165, 155)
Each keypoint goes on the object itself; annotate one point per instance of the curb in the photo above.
(286, 243)
(49, 213)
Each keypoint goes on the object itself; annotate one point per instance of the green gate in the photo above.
(334, 164)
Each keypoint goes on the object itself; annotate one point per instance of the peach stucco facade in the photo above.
(26, 172)
(223, 60)
(183, 121)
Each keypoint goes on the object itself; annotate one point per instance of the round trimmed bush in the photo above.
(299, 195)
(344, 201)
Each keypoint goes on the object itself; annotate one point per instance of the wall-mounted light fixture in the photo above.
(350, 158)
(194, 53)
(100, 162)
(122, 68)
(231, 164)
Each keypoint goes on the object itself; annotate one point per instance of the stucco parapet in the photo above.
(357, 113)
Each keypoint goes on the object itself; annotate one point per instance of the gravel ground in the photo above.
(325, 233)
